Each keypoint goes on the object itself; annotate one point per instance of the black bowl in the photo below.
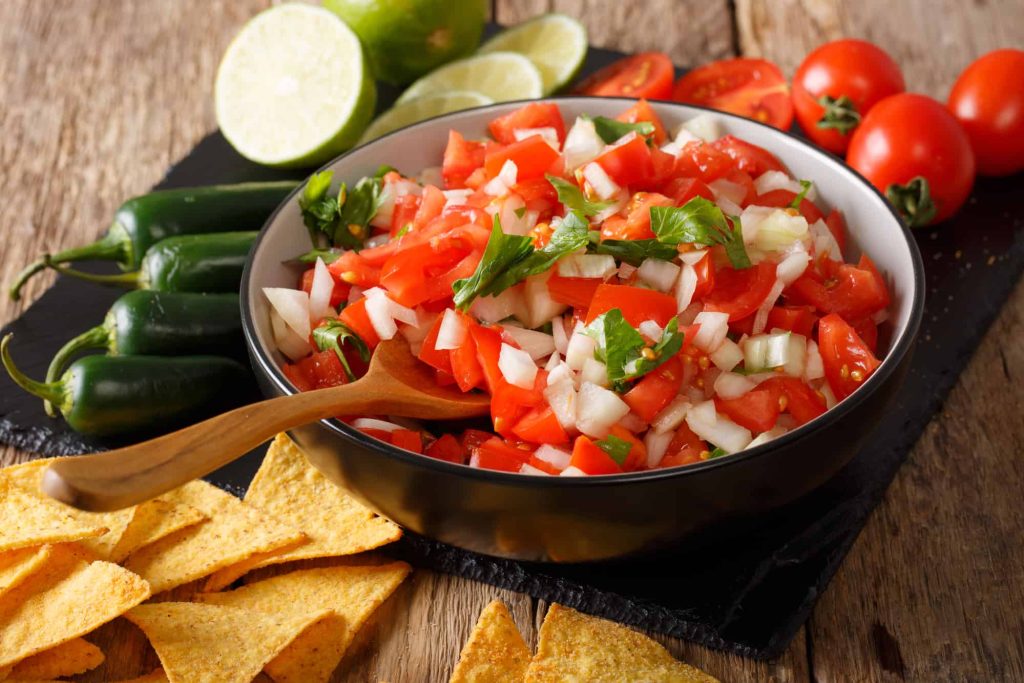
(575, 519)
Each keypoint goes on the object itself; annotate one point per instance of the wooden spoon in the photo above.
(395, 384)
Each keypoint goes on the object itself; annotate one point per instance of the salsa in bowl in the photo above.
(643, 290)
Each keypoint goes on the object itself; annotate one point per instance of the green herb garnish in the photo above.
(611, 130)
(343, 218)
(717, 453)
(805, 186)
(633, 252)
(699, 221)
(622, 349)
(333, 335)
(616, 448)
(573, 197)
(328, 255)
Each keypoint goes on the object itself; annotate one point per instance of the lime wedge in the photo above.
(293, 88)
(420, 108)
(555, 43)
(502, 76)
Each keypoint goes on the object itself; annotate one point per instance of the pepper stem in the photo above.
(913, 201)
(52, 392)
(129, 279)
(97, 337)
(108, 248)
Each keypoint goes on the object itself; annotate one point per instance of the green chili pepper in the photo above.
(187, 263)
(143, 221)
(108, 395)
(148, 323)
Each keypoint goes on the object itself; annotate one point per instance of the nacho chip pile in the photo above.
(571, 647)
(64, 573)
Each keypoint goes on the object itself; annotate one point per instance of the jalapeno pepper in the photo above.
(143, 221)
(108, 395)
(187, 263)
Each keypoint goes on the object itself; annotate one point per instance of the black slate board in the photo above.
(746, 590)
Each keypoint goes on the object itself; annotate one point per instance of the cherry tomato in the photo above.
(646, 75)
(911, 148)
(754, 88)
(988, 100)
(837, 84)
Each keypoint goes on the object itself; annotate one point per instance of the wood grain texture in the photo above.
(98, 97)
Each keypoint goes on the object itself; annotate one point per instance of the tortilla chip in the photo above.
(18, 565)
(351, 593)
(67, 659)
(157, 676)
(28, 521)
(233, 532)
(294, 492)
(495, 651)
(28, 477)
(65, 598)
(577, 647)
(200, 643)
(153, 520)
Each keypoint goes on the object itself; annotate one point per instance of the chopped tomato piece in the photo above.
(868, 331)
(740, 292)
(757, 410)
(471, 438)
(783, 198)
(407, 439)
(441, 360)
(431, 204)
(636, 304)
(466, 368)
(748, 157)
(654, 391)
(339, 292)
(797, 319)
(355, 317)
(496, 454)
(572, 291)
(488, 348)
(533, 157)
(743, 179)
(533, 115)
(354, 269)
(837, 226)
(648, 74)
(461, 158)
(404, 213)
(628, 161)
(847, 359)
(682, 190)
(797, 398)
(540, 425)
(701, 160)
(446, 448)
(684, 448)
(637, 225)
(641, 112)
(296, 375)
(851, 291)
(637, 457)
(705, 269)
(588, 457)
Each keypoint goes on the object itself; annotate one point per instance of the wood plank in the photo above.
(690, 31)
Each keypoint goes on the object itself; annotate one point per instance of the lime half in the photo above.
(501, 76)
(557, 44)
(421, 108)
(293, 88)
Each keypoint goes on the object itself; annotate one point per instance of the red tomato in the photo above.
(540, 426)
(797, 319)
(851, 291)
(637, 457)
(847, 359)
(754, 88)
(637, 224)
(642, 111)
(757, 410)
(339, 292)
(577, 292)
(648, 74)
(912, 149)
(654, 391)
(636, 304)
(461, 158)
(701, 160)
(705, 270)
(447, 448)
(472, 438)
(496, 454)
(426, 271)
(441, 360)
(628, 161)
(533, 115)
(588, 457)
(431, 204)
(354, 315)
(533, 158)
(796, 397)
(750, 158)
(354, 269)
(664, 168)
(837, 226)
(407, 439)
(783, 198)
(488, 348)
(868, 331)
(404, 213)
(684, 448)
(837, 84)
(682, 190)
(743, 180)
(297, 375)
(988, 100)
(740, 292)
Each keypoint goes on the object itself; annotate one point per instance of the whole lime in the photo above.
(407, 38)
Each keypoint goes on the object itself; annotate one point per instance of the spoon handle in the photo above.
(128, 476)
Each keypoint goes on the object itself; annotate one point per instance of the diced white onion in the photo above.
(378, 310)
(692, 258)
(563, 399)
(792, 267)
(626, 270)
(382, 219)
(537, 301)
(796, 356)
(650, 329)
(717, 429)
(830, 397)
(373, 423)
(722, 188)
(571, 471)
(527, 468)
(558, 333)
(729, 207)
(656, 444)
(727, 356)
(633, 423)
(547, 133)
(555, 457)
(492, 309)
(686, 285)
(537, 344)
(320, 292)
(779, 230)
(287, 341)
(506, 178)
(618, 203)
(776, 180)
(761, 316)
(554, 360)
(515, 219)
(416, 334)
(456, 197)
(517, 367)
(582, 144)
(355, 294)
(559, 373)
(751, 219)
(597, 266)
(713, 328)
(824, 242)
(580, 348)
(604, 187)
(731, 385)
(660, 275)
(765, 437)
(707, 127)
(598, 410)
(765, 351)
(452, 332)
(431, 175)
(671, 416)
(813, 366)
(594, 371)
(293, 307)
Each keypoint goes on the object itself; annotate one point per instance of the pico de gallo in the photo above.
(628, 298)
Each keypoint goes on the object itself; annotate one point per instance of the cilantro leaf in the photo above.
(570, 235)
(611, 130)
(573, 197)
(634, 252)
(333, 335)
(717, 453)
(357, 211)
(318, 210)
(328, 255)
(699, 221)
(342, 219)
(797, 200)
(383, 170)
(622, 348)
(616, 448)
(501, 252)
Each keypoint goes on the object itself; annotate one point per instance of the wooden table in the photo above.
(98, 97)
